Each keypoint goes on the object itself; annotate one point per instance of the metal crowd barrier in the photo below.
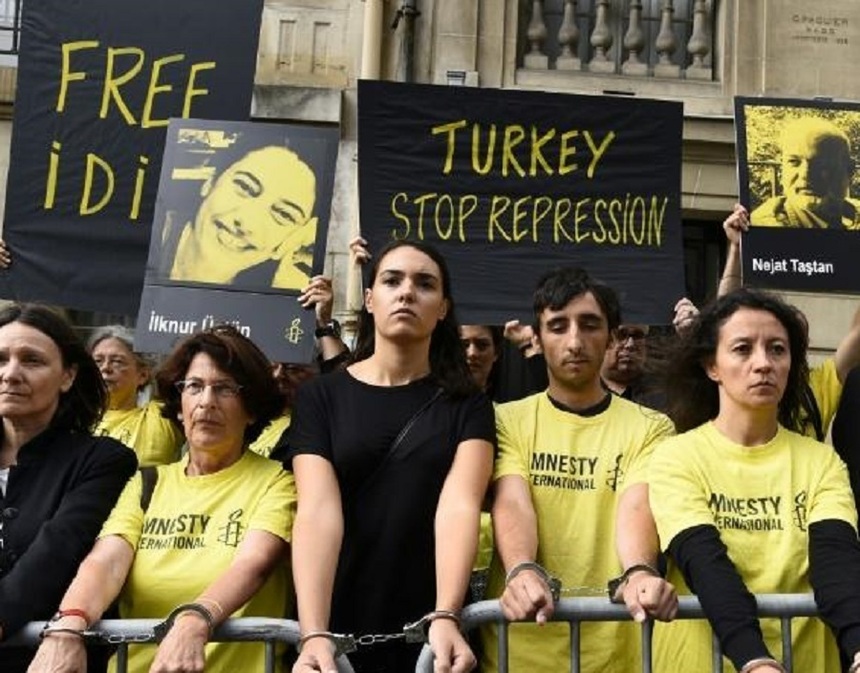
(123, 632)
(578, 610)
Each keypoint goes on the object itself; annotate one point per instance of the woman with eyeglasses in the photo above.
(142, 427)
(207, 538)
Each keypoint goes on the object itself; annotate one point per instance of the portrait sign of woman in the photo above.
(258, 211)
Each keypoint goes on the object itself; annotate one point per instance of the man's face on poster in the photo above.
(816, 166)
(257, 209)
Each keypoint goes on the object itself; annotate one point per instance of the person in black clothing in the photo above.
(391, 456)
(58, 483)
(745, 504)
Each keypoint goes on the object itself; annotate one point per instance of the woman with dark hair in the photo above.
(141, 427)
(392, 456)
(201, 539)
(58, 483)
(744, 504)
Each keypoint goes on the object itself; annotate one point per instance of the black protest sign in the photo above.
(509, 184)
(796, 169)
(97, 83)
(240, 227)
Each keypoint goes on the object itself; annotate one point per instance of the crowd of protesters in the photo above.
(579, 455)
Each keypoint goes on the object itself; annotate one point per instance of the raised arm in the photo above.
(734, 224)
(527, 594)
(317, 537)
(457, 523)
(848, 351)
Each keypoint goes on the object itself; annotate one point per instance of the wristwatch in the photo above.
(332, 329)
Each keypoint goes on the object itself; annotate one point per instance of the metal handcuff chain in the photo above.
(413, 632)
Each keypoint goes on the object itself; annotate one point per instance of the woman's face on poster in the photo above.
(256, 209)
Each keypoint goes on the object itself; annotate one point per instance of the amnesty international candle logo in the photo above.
(616, 473)
(233, 531)
(799, 514)
(509, 183)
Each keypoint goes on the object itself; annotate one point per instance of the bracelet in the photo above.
(71, 612)
(753, 664)
(47, 631)
(162, 629)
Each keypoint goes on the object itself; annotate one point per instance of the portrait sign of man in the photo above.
(816, 170)
(258, 210)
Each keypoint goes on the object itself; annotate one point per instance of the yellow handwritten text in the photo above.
(522, 151)
(628, 220)
(121, 66)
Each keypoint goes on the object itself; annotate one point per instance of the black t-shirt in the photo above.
(386, 570)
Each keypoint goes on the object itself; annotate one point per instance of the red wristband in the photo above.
(71, 612)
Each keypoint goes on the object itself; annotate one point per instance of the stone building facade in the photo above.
(701, 52)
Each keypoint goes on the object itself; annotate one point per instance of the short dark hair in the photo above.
(236, 355)
(83, 404)
(558, 287)
(447, 360)
(693, 398)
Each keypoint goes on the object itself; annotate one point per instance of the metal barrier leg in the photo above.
(502, 650)
(575, 633)
(270, 656)
(122, 658)
(717, 660)
(647, 636)
(785, 625)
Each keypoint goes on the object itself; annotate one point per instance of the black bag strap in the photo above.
(148, 477)
(399, 440)
(408, 426)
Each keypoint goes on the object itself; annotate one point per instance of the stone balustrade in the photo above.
(635, 38)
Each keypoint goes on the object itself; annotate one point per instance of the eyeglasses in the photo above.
(221, 389)
(635, 333)
(113, 362)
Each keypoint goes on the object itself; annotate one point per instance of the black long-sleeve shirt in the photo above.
(58, 495)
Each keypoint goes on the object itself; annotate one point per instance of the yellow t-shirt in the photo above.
(826, 388)
(188, 537)
(762, 501)
(265, 443)
(575, 467)
(154, 439)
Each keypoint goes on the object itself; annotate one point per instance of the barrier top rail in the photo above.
(601, 610)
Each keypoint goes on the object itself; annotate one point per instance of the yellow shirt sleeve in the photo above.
(126, 519)
(511, 459)
(826, 388)
(833, 499)
(659, 428)
(679, 500)
(277, 508)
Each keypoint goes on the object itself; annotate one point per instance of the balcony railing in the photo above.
(637, 38)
